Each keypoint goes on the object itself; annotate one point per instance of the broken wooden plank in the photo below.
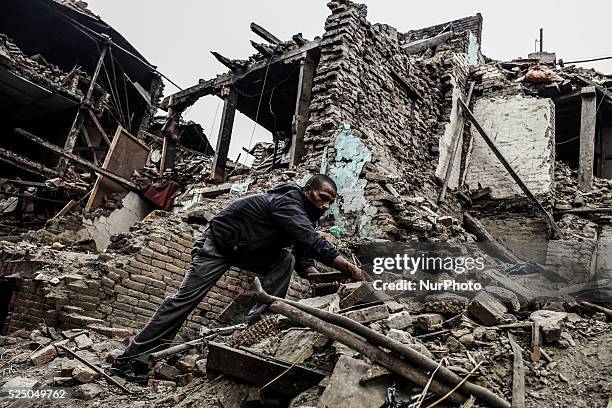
(535, 342)
(255, 369)
(534, 201)
(498, 250)
(265, 34)
(26, 164)
(125, 155)
(596, 210)
(425, 43)
(456, 138)
(66, 208)
(409, 89)
(82, 162)
(518, 375)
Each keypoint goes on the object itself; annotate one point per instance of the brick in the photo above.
(158, 245)
(369, 314)
(130, 284)
(486, 309)
(44, 355)
(148, 281)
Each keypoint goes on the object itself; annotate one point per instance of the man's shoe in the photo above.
(125, 370)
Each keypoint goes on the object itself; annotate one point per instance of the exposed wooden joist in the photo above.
(302, 110)
(225, 135)
(77, 123)
(422, 45)
(26, 164)
(265, 34)
(231, 64)
(189, 96)
(532, 199)
(78, 160)
(263, 49)
(587, 138)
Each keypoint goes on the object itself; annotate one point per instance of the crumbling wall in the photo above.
(523, 130)
(356, 84)
(123, 287)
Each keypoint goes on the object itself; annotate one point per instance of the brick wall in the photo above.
(395, 133)
(522, 129)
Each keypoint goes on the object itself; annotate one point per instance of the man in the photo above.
(251, 233)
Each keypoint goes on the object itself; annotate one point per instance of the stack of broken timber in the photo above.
(389, 353)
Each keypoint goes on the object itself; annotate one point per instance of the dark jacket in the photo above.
(279, 218)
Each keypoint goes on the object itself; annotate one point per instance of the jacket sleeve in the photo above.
(292, 219)
(302, 260)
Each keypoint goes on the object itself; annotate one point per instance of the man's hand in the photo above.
(343, 265)
(311, 270)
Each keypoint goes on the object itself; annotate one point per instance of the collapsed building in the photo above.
(430, 143)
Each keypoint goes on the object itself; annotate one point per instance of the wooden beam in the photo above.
(231, 64)
(265, 34)
(518, 375)
(189, 96)
(263, 49)
(587, 138)
(225, 134)
(302, 111)
(26, 164)
(423, 44)
(409, 89)
(98, 125)
(77, 123)
(456, 138)
(82, 162)
(532, 199)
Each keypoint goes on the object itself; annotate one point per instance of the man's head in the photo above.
(321, 191)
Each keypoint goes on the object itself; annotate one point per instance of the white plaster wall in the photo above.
(522, 128)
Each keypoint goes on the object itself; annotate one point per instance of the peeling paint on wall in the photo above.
(352, 211)
(473, 48)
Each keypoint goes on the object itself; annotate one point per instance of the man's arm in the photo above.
(292, 220)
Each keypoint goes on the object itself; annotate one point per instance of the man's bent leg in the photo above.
(275, 280)
(206, 268)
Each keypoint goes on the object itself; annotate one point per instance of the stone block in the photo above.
(486, 309)
(369, 314)
(44, 355)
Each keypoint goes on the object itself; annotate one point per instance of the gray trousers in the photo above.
(207, 266)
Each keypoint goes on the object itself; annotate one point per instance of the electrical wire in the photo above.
(263, 87)
(100, 37)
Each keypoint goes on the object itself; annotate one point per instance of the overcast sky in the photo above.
(178, 35)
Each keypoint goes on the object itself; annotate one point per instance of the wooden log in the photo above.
(378, 339)
(372, 352)
(423, 44)
(265, 34)
(532, 199)
(84, 163)
(409, 89)
(597, 210)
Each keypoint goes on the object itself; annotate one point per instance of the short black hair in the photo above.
(316, 182)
